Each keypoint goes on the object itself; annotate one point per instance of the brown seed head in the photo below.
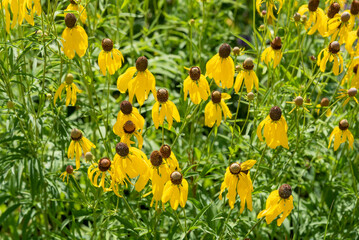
(303, 18)
(248, 64)
(176, 178)
(285, 191)
(343, 124)
(129, 127)
(216, 96)
(334, 47)
(165, 151)
(141, 64)
(126, 107)
(324, 102)
(296, 17)
(352, 92)
(354, 7)
(69, 79)
(264, 12)
(236, 51)
(162, 95)
(156, 158)
(76, 134)
(70, 20)
(355, 68)
(73, 2)
(69, 169)
(122, 149)
(107, 44)
(333, 9)
(345, 17)
(250, 96)
(275, 113)
(104, 164)
(224, 50)
(235, 168)
(195, 73)
(313, 5)
(313, 58)
(298, 101)
(276, 44)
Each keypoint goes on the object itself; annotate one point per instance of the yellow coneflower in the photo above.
(78, 143)
(109, 58)
(20, 10)
(168, 110)
(128, 113)
(353, 49)
(160, 174)
(175, 190)
(237, 180)
(329, 54)
(273, 52)
(76, 7)
(341, 134)
(196, 85)
(275, 129)
(74, 38)
(169, 157)
(139, 84)
(339, 26)
(100, 169)
(221, 67)
(354, 12)
(249, 76)
(71, 90)
(270, 5)
(131, 162)
(299, 102)
(126, 132)
(69, 171)
(317, 19)
(348, 94)
(215, 107)
(279, 202)
(324, 103)
(352, 75)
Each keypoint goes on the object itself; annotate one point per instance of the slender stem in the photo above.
(259, 164)
(225, 224)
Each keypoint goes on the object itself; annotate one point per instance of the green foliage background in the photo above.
(35, 134)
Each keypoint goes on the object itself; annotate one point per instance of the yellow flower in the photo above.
(324, 103)
(354, 12)
(78, 143)
(175, 190)
(160, 174)
(214, 109)
(101, 169)
(275, 129)
(109, 57)
(168, 109)
(269, 7)
(126, 132)
(131, 162)
(237, 180)
(20, 10)
(348, 94)
(169, 158)
(299, 102)
(74, 38)
(196, 85)
(329, 54)
(273, 52)
(69, 171)
(352, 38)
(317, 19)
(340, 134)
(221, 67)
(352, 74)
(75, 7)
(139, 84)
(71, 90)
(249, 76)
(279, 202)
(339, 26)
(128, 113)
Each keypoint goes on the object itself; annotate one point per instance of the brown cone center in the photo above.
(104, 164)
(156, 158)
(122, 149)
(176, 178)
(141, 64)
(126, 107)
(165, 151)
(70, 20)
(275, 113)
(285, 191)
